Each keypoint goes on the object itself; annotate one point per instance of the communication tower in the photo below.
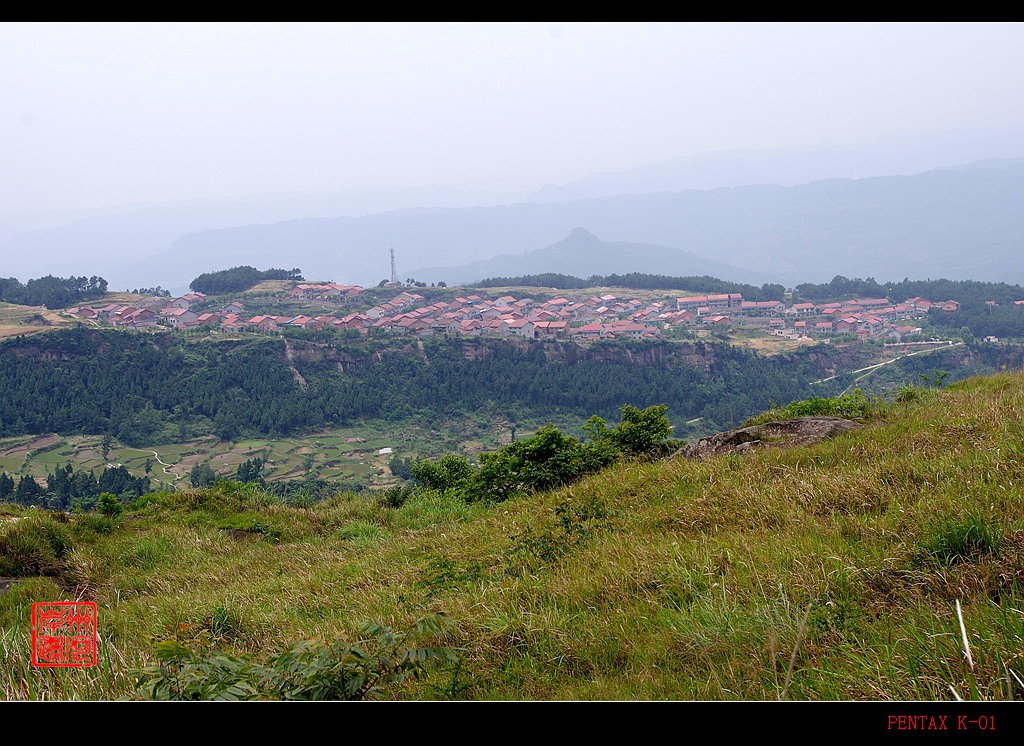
(394, 272)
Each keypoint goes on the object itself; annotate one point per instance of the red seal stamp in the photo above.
(64, 634)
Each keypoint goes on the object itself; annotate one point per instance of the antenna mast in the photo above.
(394, 272)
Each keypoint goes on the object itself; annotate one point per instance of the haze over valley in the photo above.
(895, 155)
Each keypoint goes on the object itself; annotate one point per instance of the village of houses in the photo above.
(606, 316)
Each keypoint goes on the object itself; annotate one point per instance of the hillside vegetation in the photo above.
(160, 388)
(885, 564)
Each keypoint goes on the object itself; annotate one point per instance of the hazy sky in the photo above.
(95, 114)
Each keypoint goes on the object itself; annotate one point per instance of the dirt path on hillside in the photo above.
(167, 467)
(872, 368)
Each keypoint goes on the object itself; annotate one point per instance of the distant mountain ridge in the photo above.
(581, 252)
(957, 222)
(792, 167)
(953, 224)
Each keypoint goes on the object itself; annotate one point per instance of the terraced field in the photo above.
(15, 320)
(350, 457)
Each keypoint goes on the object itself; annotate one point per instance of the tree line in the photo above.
(962, 291)
(986, 308)
(239, 279)
(67, 489)
(52, 292)
(640, 281)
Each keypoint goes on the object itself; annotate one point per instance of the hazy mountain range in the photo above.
(960, 222)
(583, 254)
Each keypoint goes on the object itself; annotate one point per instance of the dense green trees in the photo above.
(237, 279)
(7, 486)
(642, 432)
(549, 458)
(640, 281)
(448, 472)
(978, 319)
(202, 475)
(542, 280)
(152, 389)
(68, 489)
(28, 491)
(52, 292)
(250, 471)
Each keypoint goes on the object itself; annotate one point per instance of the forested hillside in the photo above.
(237, 279)
(50, 291)
(151, 388)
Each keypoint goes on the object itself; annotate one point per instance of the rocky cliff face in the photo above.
(683, 353)
(347, 358)
(353, 358)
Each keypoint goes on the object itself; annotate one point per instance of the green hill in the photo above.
(885, 564)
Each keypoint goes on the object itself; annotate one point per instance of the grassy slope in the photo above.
(830, 572)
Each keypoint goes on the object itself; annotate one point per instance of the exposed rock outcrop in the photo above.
(779, 433)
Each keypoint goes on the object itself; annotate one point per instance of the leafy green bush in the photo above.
(544, 461)
(849, 406)
(109, 505)
(306, 670)
(642, 432)
(549, 459)
(575, 523)
(448, 472)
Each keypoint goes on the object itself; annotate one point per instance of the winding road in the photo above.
(166, 466)
(871, 368)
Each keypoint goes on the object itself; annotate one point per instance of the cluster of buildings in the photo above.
(473, 315)
(146, 313)
(864, 317)
(599, 317)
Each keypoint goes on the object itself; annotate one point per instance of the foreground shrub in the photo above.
(575, 523)
(549, 459)
(853, 406)
(307, 670)
(642, 432)
(545, 461)
(448, 472)
(109, 505)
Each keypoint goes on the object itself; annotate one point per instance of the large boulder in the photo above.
(796, 431)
